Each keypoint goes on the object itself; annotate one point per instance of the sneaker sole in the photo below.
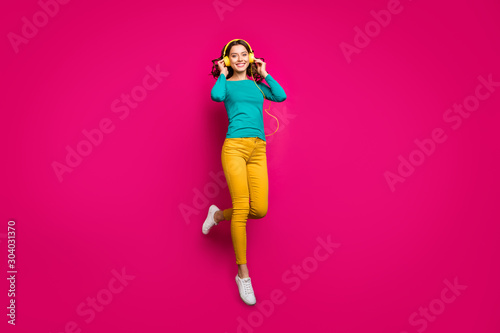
(208, 217)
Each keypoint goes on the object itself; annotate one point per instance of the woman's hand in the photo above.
(222, 67)
(261, 67)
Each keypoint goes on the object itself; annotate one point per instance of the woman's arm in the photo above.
(218, 93)
(274, 92)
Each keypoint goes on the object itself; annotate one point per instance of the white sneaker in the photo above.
(209, 221)
(246, 290)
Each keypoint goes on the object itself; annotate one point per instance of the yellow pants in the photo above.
(244, 162)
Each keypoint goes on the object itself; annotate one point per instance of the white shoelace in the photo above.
(247, 285)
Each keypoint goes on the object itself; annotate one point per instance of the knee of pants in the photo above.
(259, 211)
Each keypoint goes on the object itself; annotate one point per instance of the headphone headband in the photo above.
(224, 53)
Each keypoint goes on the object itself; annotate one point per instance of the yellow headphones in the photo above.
(251, 59)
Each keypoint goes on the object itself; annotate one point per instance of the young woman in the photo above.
(243, 156)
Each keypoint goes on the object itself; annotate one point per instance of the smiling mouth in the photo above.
(240, 65)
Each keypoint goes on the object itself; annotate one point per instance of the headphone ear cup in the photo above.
(251, 58)
(226, 61)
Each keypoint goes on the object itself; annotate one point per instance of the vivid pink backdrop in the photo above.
(134, 206)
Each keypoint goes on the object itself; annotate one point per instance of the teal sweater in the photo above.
(244, 102)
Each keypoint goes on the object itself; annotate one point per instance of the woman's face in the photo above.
(238, 56)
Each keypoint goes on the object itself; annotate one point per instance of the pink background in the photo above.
(138, 200)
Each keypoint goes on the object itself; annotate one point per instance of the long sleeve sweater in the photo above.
(244, 103)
